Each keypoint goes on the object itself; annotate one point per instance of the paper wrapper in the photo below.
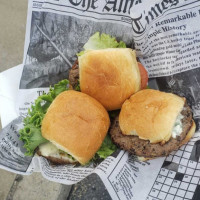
(166, 36)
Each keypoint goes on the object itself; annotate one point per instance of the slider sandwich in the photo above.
(152, 124)
(67, 126)
(75, 124)
(109, 73)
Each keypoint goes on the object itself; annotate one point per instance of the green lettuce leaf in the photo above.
(32, 138)
(31, 133)
(106, 149)
(101, 41)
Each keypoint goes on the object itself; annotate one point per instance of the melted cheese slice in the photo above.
(50, 150)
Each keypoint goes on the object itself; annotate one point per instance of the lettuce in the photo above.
(32, 138)
(106, 149)
(102, 41)
(31, 133)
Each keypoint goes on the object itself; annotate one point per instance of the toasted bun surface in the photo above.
(150, 114)
(109, 75)
(77, 124)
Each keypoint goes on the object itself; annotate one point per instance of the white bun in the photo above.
(77, 124)
(109, 75)
(150, 114)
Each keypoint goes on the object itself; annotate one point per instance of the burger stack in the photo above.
(150, 123)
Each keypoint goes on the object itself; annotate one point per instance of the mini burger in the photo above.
(67, 126)
(110, 75)
(76, 125)
(153, 124)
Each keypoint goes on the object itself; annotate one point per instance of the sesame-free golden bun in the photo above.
(150, 115)
(77, 124)
(109, 75)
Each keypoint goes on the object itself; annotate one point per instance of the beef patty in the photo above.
(143, 148)
(74, 75)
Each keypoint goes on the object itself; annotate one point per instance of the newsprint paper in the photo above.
(166, 36)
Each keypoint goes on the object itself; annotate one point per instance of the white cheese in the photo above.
(178, 127)
(48, 149)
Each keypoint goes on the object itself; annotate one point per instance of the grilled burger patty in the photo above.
(74, 75)
(143, 148)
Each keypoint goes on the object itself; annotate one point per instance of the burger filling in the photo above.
(50, 150)
(178, 126)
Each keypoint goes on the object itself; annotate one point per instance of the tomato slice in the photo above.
(144, 76)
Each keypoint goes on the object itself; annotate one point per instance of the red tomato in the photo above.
(144, 76)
